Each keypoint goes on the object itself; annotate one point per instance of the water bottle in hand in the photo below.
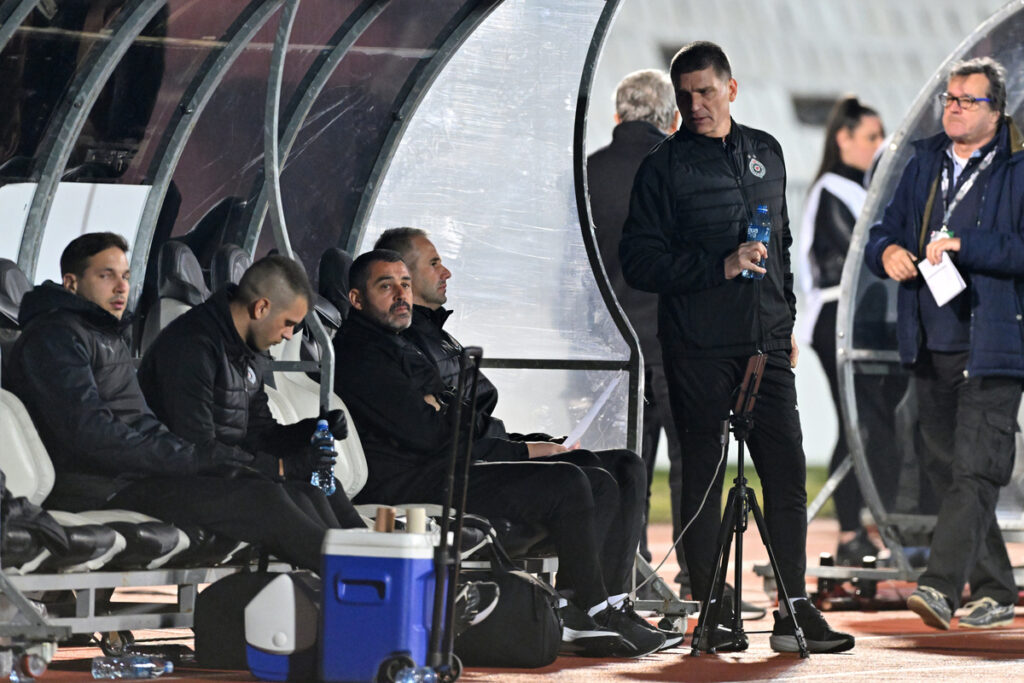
(130, 667)
(323, 472)
(759, 230)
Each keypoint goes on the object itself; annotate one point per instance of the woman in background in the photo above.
(853, 134)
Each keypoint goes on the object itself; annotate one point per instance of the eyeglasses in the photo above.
(966, 102)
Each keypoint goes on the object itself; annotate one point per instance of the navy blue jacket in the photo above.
(992, 254)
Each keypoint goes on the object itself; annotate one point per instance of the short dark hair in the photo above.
(359, 274)
(697, 56)
(75, 258)
(398, 239)
(275, 277)
(990, 69)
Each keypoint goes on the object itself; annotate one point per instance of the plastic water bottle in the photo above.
(760, 230)
(323, 441)
(419, 674)
(131, 667)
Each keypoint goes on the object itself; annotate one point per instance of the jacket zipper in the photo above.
(736, 175)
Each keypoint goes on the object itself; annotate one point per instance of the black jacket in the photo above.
(205, 383)
(383, 377)
(833, 228)
(428, 334)
(692, 201)
(73, 370)
(610, 174)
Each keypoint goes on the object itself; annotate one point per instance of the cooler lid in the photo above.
(369, 543)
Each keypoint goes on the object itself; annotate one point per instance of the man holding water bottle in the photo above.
(203, 375)
(722, 298)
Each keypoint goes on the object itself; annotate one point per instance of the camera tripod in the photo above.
(740, 501)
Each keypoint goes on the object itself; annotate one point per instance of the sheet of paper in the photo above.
(943, 280)
(577, 433)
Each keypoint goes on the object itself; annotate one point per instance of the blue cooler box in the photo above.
(378, 592)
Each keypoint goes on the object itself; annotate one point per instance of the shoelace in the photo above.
(982, 602)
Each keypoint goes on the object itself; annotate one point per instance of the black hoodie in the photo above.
(73, 370)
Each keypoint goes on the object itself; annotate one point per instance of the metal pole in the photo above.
(306, 94)
(183, 122)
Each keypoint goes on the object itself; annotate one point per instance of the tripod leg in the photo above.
(710, 611)
(763, 529)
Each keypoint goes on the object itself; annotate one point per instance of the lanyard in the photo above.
(965, 186)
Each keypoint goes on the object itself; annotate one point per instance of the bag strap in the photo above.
(927, 216)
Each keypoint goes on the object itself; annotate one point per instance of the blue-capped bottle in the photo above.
(759, 230)
(323, 473)
(131, 667)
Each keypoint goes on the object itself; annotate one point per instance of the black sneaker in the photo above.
(851, 553)
(932, 606)
(721, 639)
(672, 638)
(818, 634)
(474, 602)
(583, 637)
(642, 640)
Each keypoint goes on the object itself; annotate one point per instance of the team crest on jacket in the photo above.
(250, 375)
(756, 167)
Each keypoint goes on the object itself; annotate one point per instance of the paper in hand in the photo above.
(943, 280)
(577, 433)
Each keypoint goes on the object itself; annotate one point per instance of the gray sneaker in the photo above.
(986, 613)
(932, 606)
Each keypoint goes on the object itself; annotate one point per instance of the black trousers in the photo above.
(571, 504)
(967, 427)
(289, 520)
(877, 397)
(658, 416)
(619, 525)
(703, 391)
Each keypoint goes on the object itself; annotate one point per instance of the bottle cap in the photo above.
(320, 424)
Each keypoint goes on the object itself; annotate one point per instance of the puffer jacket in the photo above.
(383, 377)
(206, 384)
(73, 370)
(991, 254)
(692, 201)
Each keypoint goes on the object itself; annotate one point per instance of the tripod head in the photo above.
(743, 411)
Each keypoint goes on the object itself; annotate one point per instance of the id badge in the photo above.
(944, 233)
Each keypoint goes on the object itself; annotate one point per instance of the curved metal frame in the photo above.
(306, 95)
(182, 124)
(846, 355)
(12, 14)
(272, 171)
(635, 365)
(410, 97)
(69, 118)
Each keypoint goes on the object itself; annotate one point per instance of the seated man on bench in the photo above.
(429, 294)
(73, 370)
(397, 399)
(203, 375)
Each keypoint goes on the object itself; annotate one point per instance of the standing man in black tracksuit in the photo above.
(203, 375)
(685, 239)
(429, 294)
(73, 369)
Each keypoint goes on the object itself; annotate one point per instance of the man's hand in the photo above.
(933, 252)
(746, 257)
(431, 401)
(794, 351)
(899, 263)
(540, 449)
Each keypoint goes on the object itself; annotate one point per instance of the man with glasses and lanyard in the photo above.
(962, 193)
